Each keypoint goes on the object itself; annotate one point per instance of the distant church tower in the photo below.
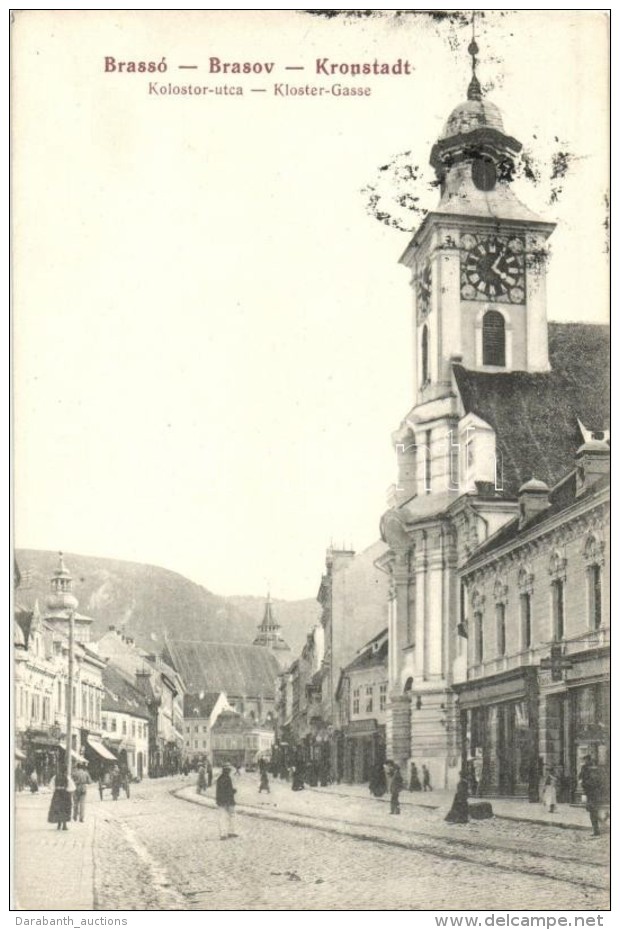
(61, 602)
(269, 636)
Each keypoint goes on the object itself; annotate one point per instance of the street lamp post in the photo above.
(70, 693)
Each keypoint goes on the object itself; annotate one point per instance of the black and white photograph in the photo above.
(311, 569)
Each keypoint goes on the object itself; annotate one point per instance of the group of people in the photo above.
(387, 778)
(68, 796)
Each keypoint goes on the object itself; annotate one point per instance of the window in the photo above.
(204, 744)
(195, 744)
(557, 601)
(383, 696)
(113, 724)
(204, 729)
(104, 722)
(124, 731)
(369, 691)
(425, 371)
(479, 637)
(59, 696)
(356, 700)
(427, 462)
(526, 620)
(500, 618)
(188, 729)
(196, 728)
(594, 593)
(133, 728)
(493, 339)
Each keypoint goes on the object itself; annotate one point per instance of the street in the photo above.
(315, 849)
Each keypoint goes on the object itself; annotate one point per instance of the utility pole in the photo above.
(70, 694)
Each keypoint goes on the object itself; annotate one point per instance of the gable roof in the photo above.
(535, 416)
(237, 669)
(370, 657)
(120, 695)
(561, 497)
(200, 705)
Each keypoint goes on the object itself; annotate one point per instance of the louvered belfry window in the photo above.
(425, 371)
(493, 339)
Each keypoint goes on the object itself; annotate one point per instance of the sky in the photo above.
(211, 334)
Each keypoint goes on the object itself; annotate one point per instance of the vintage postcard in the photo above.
(311, 441)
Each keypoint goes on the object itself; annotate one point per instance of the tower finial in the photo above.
(474, 91)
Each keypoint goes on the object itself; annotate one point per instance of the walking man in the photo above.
(82, 780)
(426, 779)
(225, 800)
(592, 784)
(396, 786)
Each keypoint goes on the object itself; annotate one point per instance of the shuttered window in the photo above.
(493, 339)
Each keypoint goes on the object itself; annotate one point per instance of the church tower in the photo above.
(61, 603)
(269, 635)
(478, 266)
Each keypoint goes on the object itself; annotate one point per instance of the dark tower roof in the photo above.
(269, 630)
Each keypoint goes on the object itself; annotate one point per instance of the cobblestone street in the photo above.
(313, 849)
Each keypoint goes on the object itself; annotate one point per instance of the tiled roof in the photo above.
(560, 498)
(120, 695)
(237, 669)
(229, 720)
(369, 658)
(535, 415)
(200, 705)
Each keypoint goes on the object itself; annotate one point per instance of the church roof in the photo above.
(536, 416)
(237, 669)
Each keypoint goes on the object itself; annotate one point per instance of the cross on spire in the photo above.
(474, 91)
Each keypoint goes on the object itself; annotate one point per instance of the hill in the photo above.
(147, 601)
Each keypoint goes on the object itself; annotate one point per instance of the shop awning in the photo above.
(78, 758)
(100, 749)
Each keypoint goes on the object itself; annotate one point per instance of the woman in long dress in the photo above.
(459, 812)
(60, 808)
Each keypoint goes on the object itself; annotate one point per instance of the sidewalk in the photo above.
(566, 816)
(53, 869)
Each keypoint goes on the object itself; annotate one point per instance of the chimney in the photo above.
(112, 628)
(591, 462)
(533, 499)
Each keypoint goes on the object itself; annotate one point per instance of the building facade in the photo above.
(200, 713)
(362, 696)
(239, 742)
(125, 722)
(537, 693)
(42, 679)
(482, 348)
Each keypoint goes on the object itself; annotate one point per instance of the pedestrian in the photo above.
(592, 784)
(264, 776)
(426, 779)
(377, 783)
(550, 796)
(115, 782)
(81, 780)
(459, 812)
(225, 800)
(34, 781)
(477, 766)
(414, 779)
(298, 776)
(202, 779)
(60, 807)
(396, 786)
(209, 768)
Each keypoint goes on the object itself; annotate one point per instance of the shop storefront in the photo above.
(499, 730)
(364, 748)
(575, 718)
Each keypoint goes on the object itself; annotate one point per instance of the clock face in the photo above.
(423, 291)
(492, 268)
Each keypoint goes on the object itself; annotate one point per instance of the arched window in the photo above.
(493, 339)
(408, 685)
(425, 371)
